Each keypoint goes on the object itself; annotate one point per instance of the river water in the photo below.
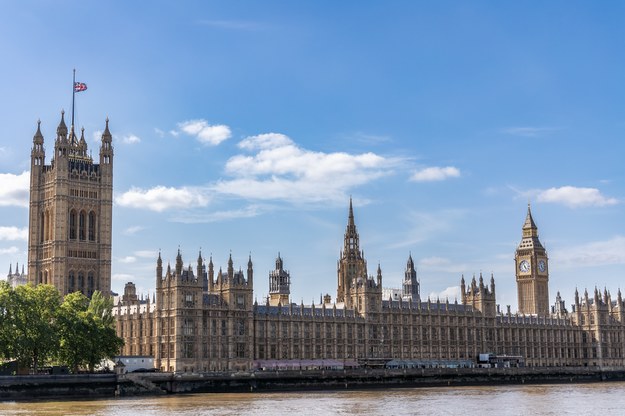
(562, 399)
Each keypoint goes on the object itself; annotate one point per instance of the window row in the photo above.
(82, 226)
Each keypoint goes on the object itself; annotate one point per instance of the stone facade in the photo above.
(201, 323)
(71, 201)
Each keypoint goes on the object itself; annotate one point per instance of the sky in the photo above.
(244, 127)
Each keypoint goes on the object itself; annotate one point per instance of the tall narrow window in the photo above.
(42, 224)
(46, 226)
(72, 225)
(90, 284)
(81, 282)
(92, 226)
(81, 226)
(71, 283)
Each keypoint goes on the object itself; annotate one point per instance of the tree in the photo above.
(73, 330)
(6, 334)
(104, 340)
(32, 324)
(87, 331)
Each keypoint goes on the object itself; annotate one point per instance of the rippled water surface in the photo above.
(567, 399)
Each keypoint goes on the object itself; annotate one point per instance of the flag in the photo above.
(79, 86)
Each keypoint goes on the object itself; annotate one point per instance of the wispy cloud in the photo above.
(133, 230)
(575, 197)
(14, 189)
(161, 198)
(205, 133)
(123, 277)
(529, 131)
(9, 250)
(13, 234)
(441, 264)
(597, 253)
(424, 225)
(127, 259)
(129, 139)
(146, 254)
(435, 173)
(193, 217)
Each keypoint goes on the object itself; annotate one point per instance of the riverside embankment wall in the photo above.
(111, 385)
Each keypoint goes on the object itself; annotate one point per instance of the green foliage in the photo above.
(33, 324)
(35, 327)
(87, 330)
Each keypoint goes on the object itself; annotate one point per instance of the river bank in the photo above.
(46, 387)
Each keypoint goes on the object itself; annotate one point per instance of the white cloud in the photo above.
(161, 198)
(14, 189)
(282, 170)
(159, 132)
(451, 294)
(130, 139)
(133, 230)
(191, 218)
(10, 250)
(435, 173)
(598, 253)
(441, 264)
(96, 137)
(146, 254)
(123, 277)
(13, 234)
(128, 259)
(575, 197)
(204, 132)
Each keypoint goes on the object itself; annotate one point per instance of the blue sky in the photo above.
(244, 127)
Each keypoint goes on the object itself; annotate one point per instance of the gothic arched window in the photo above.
(71, 283)
(81, 226)
(92, 226)
(72, 225)
(81, 282)
(90, 284)
(42, 224)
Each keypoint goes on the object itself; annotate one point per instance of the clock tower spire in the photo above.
(532, 272)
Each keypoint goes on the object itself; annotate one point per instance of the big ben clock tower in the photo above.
(532, 271)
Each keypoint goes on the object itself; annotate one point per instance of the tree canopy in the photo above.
(38, 328)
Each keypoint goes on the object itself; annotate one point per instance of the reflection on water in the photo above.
(568, 399)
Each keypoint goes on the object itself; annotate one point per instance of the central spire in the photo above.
(351, 244)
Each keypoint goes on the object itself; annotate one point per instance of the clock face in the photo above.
(524, 266)
(542, 266)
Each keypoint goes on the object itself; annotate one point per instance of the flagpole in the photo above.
(73, 95)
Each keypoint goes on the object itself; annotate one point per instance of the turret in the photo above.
(279, 284)
(106, 148)
(179, 264)
(463, 291)
(61, 146)
(410, 285)
(38, 154)
(159, 270)
(200, 266)
(250, 272)
(211, 275)
(230, 268)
